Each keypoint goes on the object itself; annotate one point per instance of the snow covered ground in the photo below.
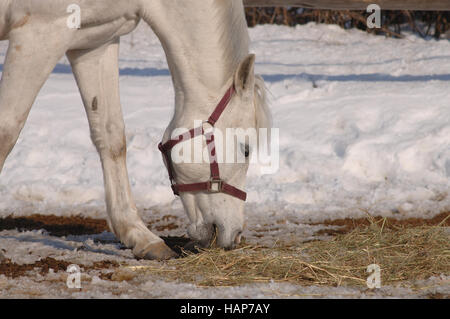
(364, 127)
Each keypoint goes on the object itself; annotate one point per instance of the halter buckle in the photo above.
(215, 185)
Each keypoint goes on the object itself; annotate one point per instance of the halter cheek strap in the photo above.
(215, 184)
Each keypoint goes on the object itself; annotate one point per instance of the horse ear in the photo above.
(244, 79)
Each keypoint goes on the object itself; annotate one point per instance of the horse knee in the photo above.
(8, 137)
(110, 140)
(117, 140)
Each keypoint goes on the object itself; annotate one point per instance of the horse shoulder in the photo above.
(4, 11)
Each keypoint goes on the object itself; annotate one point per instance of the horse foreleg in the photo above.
(28, 64)
(96, 72)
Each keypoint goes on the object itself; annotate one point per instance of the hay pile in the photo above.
(403, 253)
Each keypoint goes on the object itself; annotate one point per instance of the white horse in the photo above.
(207, 47)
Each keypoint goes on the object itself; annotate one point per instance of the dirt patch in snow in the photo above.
(43, 266)
(348, 224)
(61, 226)
(55, 225)
(74, 225)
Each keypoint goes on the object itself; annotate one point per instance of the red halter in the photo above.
(215, 184)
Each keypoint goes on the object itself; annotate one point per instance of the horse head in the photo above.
(211, 189)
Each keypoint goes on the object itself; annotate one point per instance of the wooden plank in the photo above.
(438, 5)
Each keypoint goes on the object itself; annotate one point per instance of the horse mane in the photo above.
(263, 113)
(231, 22)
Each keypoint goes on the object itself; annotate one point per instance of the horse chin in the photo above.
(203, 235)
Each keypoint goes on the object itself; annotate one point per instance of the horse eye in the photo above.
(245, 149)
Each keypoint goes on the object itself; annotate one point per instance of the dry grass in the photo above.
(403, 253)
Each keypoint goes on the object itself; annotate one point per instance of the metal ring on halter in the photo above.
(215, 181)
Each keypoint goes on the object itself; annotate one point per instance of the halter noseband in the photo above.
(215, 184)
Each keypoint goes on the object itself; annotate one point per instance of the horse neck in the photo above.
(204, 41)
(4, 5)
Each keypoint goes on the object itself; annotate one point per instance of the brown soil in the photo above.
(74, 225)
(10, 269)
(13, 270)
(348, 224)
(55, 225)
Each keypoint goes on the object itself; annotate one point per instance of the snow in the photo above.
(364, 127)
(94, 287)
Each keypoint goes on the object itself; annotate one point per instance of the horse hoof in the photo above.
(159, 251)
